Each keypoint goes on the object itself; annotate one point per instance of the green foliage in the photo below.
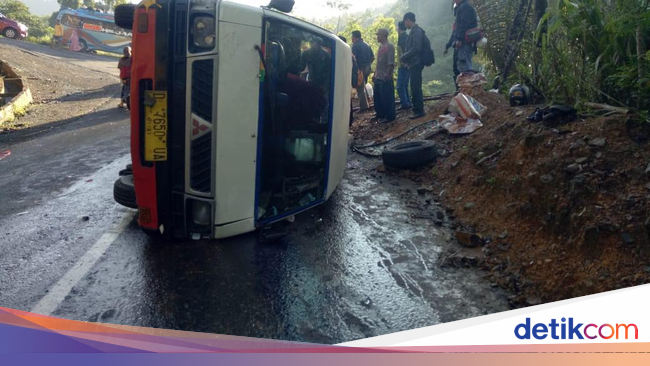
(589, 52)
(43, 40)
(435, 17)
(72, 4)
(369, 33)
(579, 51)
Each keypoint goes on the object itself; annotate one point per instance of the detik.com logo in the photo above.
(571, 330)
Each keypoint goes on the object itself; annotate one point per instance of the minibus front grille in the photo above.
(202, 88)
(201, 164)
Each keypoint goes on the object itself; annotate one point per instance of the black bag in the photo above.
(428, 57)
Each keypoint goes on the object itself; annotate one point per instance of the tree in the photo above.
(15, 10)
(109, 5)
(18, 11)
(341, 6)
(72, 4)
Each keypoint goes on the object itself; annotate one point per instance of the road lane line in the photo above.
(57, 294)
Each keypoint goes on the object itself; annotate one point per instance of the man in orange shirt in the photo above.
(125, 75)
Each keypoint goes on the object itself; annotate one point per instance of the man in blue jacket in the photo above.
(466, 19)
(365, 57)
(412, 59)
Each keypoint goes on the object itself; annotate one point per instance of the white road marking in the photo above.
(57, 294)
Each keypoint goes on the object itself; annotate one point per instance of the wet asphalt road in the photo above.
(364, 264)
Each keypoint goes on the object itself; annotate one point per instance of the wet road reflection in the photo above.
(357, 267)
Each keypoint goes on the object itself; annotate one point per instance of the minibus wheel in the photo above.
(124, 15)
(410, 155)
(124, 192)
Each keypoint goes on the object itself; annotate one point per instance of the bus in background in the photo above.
(95, 30)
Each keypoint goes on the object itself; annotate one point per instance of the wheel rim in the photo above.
(84, 45)
(11, 33)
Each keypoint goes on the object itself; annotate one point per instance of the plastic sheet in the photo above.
(457, 125)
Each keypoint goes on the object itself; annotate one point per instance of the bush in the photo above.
(44, 40)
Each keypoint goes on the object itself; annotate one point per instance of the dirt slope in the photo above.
(63, 88)
(564, 209)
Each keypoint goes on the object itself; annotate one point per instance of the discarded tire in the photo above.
(124, 192)
(410, 154)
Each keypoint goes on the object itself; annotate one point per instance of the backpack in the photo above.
(427, 55)
(474, 35)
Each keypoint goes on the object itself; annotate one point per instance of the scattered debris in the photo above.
(367, 302)
(598, 142)
(469, 240)
(607, 108)
(6, 153)
(574, 169)
(471, 83)
(466, 107)
(627, 238)
(456, 125)
(480, 162)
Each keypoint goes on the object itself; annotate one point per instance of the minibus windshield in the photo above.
(296, 120)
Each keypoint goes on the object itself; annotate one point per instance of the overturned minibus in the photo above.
(239, 117)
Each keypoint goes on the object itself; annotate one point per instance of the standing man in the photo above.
(363, 53)
(450, 44)
(125, 76)
(466, 19)
(403, 75)
(412, 59)
(57, 41)
(384, 85)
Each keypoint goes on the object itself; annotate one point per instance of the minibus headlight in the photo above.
(204, 32)
(202, 213)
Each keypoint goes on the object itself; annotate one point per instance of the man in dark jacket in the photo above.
(412, 59)
(403, 75)
(466, 19)
(450, 44)
(365, 57)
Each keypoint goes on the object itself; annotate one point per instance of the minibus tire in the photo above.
(124, 192)
(410, 155)
(125, 15)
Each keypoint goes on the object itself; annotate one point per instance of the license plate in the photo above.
(156, 124)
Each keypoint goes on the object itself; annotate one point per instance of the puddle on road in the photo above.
(359, 266)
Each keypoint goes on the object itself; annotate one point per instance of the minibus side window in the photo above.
(296, 120)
